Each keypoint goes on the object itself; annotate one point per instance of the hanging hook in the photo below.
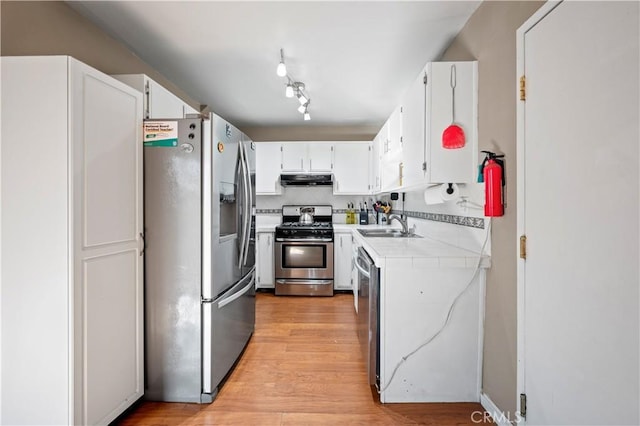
(452, 81)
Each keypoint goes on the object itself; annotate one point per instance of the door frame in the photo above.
(530, 23)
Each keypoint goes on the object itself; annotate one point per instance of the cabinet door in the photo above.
(342, 262)
(106, 138)
(163, 103)
(413, 122)
(264, 260)
(188, 109)
(319, 157)
(392, 156)
(268, 168)
(452, 165)
(294, 155)
(375, 178)
(351, 168)
(354, 272)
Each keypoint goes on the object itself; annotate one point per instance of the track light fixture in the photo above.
(294, 88)
(282, 68)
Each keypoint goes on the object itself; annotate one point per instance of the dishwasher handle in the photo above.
(362, 270)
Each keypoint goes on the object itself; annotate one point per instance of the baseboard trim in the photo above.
(496, 414)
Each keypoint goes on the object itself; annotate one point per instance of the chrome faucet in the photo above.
(403, 222)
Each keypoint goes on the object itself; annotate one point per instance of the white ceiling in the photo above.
(356, 58)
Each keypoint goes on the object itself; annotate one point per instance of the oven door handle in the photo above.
(361, 269)
(304, 240)
(303, 281)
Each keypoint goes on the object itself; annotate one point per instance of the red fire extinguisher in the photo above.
(492, 172)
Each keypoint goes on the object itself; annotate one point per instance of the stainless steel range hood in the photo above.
(306, 180)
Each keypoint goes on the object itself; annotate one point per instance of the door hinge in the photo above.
(523, 88)
(523, 405)
(523, 247)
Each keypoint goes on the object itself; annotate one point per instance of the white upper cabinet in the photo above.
(158, 102)
(375, 170)
(414, 119)
(320, 156)
(351, 168)
(412, 154)
(428, 111)
(392, 167)
(268, 167)
(307, 157)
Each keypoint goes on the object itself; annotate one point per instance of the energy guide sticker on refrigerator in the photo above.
(160, 133)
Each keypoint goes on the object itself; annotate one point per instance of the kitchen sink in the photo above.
(385, 233)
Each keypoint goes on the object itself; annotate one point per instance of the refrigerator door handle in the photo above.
(245, 200)
(224, 302)
(242, 237)
(249, 205)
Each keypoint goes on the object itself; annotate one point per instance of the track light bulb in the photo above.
(281, 70)
(289, 91)
(302, 98)
(307, 116)
(302, 109)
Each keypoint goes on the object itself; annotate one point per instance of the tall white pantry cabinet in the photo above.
(71, 243)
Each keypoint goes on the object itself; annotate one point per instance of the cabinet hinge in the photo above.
(523, 405)
(424, 79)
(523, 88)
(148, 96)
(280, 148)
(523, 247)
(369, 149)
(424, 166)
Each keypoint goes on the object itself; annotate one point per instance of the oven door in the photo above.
(304, 259)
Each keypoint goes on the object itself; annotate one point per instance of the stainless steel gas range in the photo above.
(304, 251)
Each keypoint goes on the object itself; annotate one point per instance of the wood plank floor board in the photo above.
(303, 366)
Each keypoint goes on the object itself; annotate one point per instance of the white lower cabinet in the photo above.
(415, 298)
(72, 264)
(355, 245)
(342, 278)
(264, 260)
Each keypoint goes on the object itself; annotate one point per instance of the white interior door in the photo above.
(578, 206)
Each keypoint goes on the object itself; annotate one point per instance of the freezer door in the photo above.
(228, 323)
(172, 212)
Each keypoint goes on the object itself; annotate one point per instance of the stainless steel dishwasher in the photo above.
(369, 314)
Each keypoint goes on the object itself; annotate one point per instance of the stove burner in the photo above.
(306, 225)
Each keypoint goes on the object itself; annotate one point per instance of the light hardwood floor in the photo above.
(302, 367)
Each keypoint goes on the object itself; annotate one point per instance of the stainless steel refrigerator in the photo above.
(199, 181)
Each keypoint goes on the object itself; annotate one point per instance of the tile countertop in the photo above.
(415, 252)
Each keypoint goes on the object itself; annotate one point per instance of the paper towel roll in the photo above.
(440, 193)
